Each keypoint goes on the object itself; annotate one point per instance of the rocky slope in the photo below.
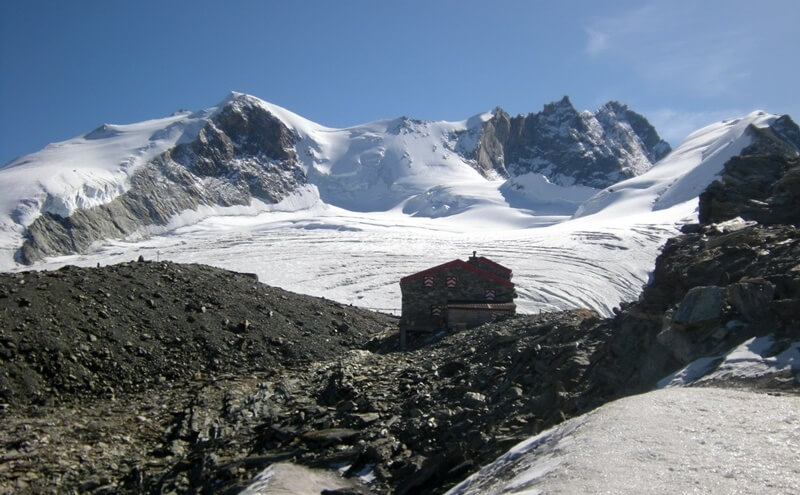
(78, 332)
(730, 278)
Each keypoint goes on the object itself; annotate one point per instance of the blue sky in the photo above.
(67, 67)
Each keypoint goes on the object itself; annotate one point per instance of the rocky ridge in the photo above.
(732, 277)
(592, 149)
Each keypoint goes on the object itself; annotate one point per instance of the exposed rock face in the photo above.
(699, 306)
(242, 153)
(765, 189)
(595, 150)
(763, 184)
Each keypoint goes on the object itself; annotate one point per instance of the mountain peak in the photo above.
(560, 106)
(614, 107)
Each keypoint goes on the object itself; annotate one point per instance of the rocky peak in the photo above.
(562, 109)
(242, 152)
(782, 137)
(252, 129)
(618, 113)
(569, 147)
(246, 145)
(490, 152)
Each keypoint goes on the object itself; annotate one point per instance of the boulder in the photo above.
(700, 306)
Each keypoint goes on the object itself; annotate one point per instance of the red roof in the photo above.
(460, 264)
(483, 306)
(494, 264)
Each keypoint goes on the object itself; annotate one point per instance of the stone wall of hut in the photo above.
(419, 299)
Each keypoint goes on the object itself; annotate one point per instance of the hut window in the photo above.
(427, 281)
(489, 294)
(436, 310)
(451, 282)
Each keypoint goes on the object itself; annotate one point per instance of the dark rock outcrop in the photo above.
(595, 150)
(765, 189)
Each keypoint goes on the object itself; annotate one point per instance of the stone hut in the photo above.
(458, 294)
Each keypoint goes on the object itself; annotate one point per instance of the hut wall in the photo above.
(418, 299)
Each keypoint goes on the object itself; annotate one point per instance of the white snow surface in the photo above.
(284, 478)
(670, 441)
(83, 172)
(385, 199)
(754, 358)
(359, 258)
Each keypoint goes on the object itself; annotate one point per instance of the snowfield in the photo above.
(677, 440)
(359, 258)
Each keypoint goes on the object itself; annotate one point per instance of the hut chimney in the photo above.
(474, 254)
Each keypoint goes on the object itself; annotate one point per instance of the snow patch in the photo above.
(677, 440)
(284, 478)
(754, 358)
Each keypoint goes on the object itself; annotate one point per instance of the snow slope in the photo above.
(400, 163)
(681, 176)
(88, 170)
(679, 440)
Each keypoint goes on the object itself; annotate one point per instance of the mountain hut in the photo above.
(456, 295)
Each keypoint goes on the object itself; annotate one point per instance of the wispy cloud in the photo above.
(674, 44)
(597, 42)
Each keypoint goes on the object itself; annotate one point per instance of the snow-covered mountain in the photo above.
(249, 186)
(117, 180)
